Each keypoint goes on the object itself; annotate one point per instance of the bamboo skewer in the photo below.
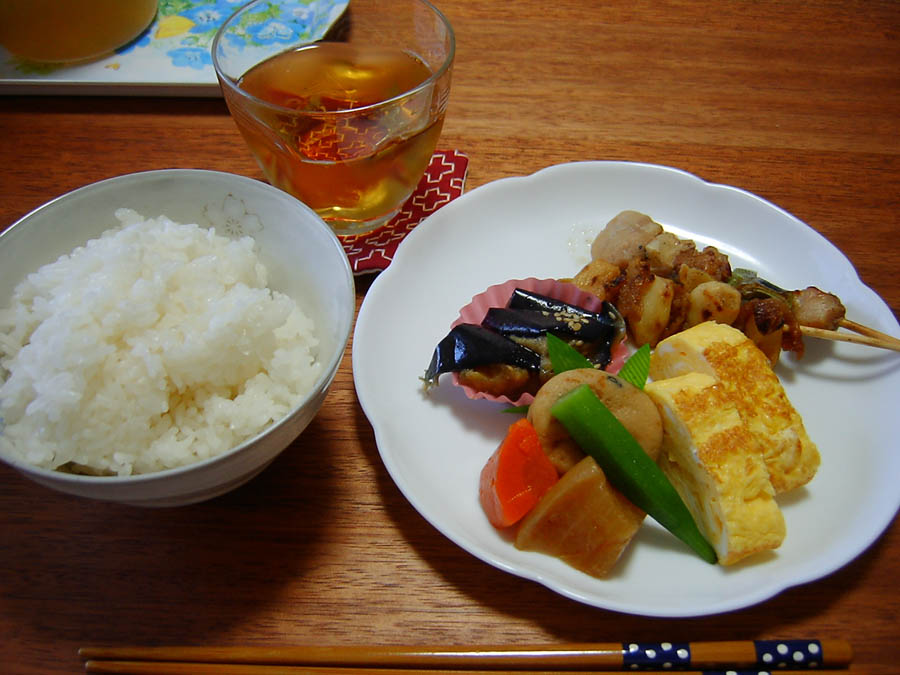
(871, 338)
(870, 332)
(334, 660)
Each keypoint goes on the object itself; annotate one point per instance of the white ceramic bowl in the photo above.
(304, 258)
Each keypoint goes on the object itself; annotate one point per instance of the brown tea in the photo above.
(343, 152)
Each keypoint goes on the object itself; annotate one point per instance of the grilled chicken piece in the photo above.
(646, 301)
(601, 278)
(816, 308)
(710, 260)
(624, 238)
(713, 301)
(771, 326)
(664, 249)
(666, 285)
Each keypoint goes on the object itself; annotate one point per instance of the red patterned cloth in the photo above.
(444, 181)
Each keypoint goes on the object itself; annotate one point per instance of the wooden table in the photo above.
(797, 102)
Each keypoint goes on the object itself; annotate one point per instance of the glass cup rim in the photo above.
(226, 80)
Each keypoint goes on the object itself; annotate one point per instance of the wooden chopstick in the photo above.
(873, 339)
(192, 668)
(572, 657)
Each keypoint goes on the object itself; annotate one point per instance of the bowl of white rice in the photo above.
(165, 335)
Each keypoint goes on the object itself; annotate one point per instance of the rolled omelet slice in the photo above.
(748, 380)
(714, 463)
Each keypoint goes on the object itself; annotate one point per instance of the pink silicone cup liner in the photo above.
(498, 296)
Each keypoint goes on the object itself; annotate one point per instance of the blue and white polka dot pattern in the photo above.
(771, 656)
(656, 655)
(788, 653)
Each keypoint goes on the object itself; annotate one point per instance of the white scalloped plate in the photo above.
(541, 225)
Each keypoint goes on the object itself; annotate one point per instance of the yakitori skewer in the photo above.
(888, 340)
(877, 340)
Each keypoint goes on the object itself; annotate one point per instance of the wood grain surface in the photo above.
(798, 102)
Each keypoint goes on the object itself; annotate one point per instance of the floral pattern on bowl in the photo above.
(231, 218)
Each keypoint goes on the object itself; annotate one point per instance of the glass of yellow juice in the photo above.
(341, 104)
(63, 31)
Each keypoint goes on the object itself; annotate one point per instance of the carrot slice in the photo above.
(516, 476)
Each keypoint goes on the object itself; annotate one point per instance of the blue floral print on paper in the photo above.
(190, 57)
(288, 21)
(209, 16)
(196, 22)
(271, 32)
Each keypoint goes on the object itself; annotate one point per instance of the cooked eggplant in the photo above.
(563, 324)
(607, 319)
(519, 322)
(529, 328)
(529, 316)
(508, 354)
(469, 346)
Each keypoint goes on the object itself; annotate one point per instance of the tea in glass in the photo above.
(347, 125)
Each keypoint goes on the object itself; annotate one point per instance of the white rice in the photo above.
(153, 346)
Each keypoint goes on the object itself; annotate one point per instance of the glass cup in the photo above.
(342, 106)
(62, 31)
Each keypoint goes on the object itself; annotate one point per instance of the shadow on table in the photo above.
(192, 572)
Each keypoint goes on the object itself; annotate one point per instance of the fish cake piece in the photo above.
(729, 356)
(631, 406)
(714, 463)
